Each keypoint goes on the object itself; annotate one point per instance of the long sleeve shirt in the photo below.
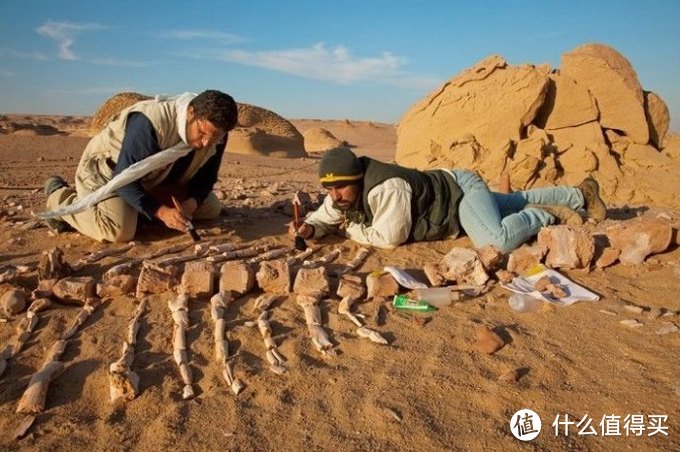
(390, 203)
(139, 143)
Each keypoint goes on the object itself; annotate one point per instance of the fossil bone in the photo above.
(89, 307)
(372, 335)
(219, 302)
(323, 260)
(33, 399)
(101, 254)
(123, 383)
(358, 259)
(320, 339)
(179, 307)
(241, 253)
(300, 257)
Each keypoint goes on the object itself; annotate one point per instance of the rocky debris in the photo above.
(351, 286)
(510, 376)
(638, 239)
(505, 276)
(312, 282)
(488, 341)
(274, 276)
(567, 247)
(9, 273)
(155, 279)
(632, 323)
(52, 265)
(13, 302)
(654, 313)
(435, 274)
(198, 278)
(606, 312)
(491, 257)
(116, 284)
(318, 139)
(464, 266)
(75, 289)
(381, 285)
(634, 309)
(525, 257)
(542, 284)
(667, 328)
(608, 257)
(237, 277)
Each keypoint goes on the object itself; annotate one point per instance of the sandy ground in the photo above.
(429, 389)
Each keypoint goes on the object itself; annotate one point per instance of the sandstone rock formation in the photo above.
(318, 139)
(111, 107)
(259, 131)
(547, 127)
(263, 132)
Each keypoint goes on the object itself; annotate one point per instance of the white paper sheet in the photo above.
(525, 285)
(404, 279)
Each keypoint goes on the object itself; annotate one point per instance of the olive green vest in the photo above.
(434, 201)
(101, 154)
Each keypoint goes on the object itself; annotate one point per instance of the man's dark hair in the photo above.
(217, 107)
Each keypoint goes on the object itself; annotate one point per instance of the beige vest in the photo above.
(101, 154)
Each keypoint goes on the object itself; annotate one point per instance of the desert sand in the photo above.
(430, 388)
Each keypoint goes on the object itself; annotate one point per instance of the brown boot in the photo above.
(564, 214)
(592, 202)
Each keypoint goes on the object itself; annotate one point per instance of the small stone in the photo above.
(604, 311)
(510, 376)
(312, 282)
(542, 284)
(654, 313)
(632, 308)
(667, 328)
(381, 284)
(488, 341)
(13, 302)
(668, 314)
(632, 323)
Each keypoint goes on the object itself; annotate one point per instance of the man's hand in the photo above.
(172, 218)
(189, 206)
(305, 230)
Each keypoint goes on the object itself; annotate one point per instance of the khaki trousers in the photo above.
(113, 220)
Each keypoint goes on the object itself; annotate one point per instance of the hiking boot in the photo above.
(54, 183)
(591, 197)
(563, 214)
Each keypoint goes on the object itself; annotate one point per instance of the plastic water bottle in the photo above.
(437, 296)
(524, 303)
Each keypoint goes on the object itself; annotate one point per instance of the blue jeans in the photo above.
(499, 219)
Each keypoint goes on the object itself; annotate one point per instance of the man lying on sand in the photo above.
(385, 205)
(199, 123)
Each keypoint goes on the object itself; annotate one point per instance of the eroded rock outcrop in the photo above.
(546, 127)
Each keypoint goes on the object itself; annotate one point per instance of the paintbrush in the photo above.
(300, 243)
(191, 230)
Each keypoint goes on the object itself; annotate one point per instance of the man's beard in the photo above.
(344, 208)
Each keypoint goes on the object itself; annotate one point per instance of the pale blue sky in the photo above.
(356, 59)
